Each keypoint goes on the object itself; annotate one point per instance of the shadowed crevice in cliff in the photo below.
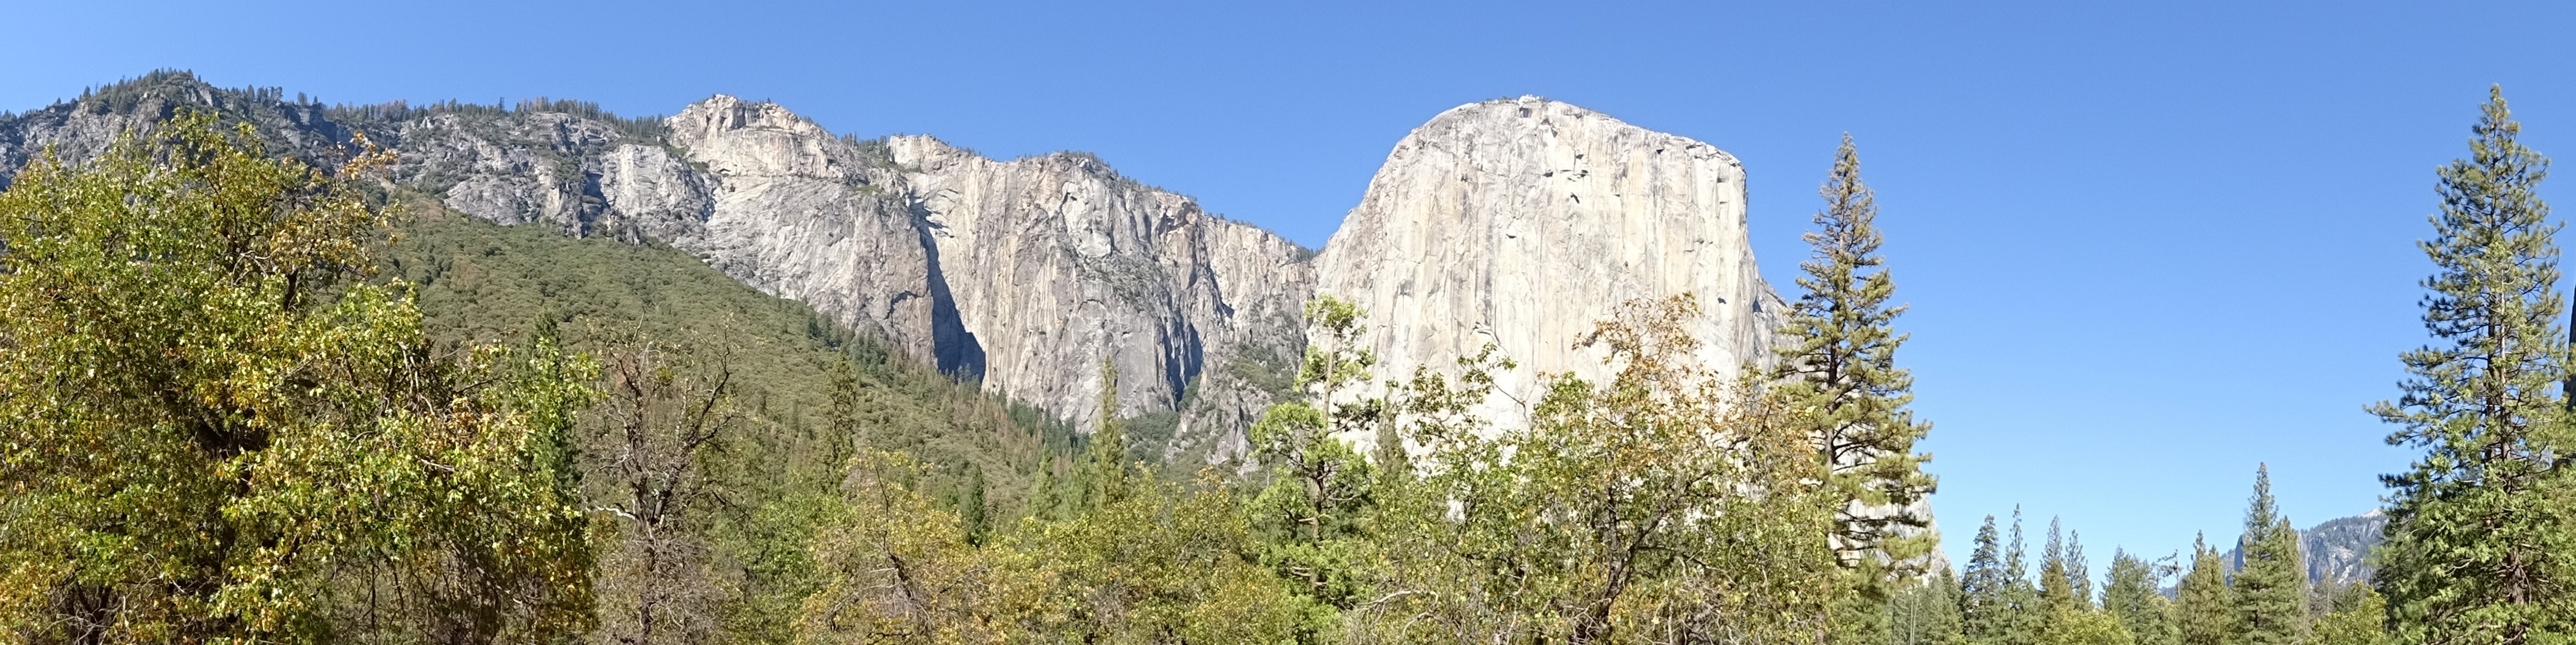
(1188, 360)
(955, 350)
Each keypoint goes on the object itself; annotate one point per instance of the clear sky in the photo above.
(2148, 245)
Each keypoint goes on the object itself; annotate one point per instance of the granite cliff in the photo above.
(1521, 222)
(1518, 222)
(2337, 550)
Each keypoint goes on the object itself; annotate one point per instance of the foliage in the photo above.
(1840, 382)
(2359, 620)
(2203, 612)
(2270, 587)
(1983, 590)
(1926, 612)
(1160, 564)
(807, 391)
(2024, 615)
(220, 431)
(648, 446)
(1310, 514)
(901, 570)
(2479, 543)
(1667, 505)
(2072, 625)
(2132, 595)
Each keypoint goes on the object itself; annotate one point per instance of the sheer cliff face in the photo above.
(795, 212)
(1027, 274)
(1522, 222)
(1055, 264)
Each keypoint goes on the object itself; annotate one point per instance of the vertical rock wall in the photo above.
(1521, 222)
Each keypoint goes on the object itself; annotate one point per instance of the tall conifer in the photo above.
(2271, 585)
(1104, 469)
(2203, 615)
(2479, 549)
(1981, 589)
(2132, 595)
(2053, 587)
(2079, 573)
(2025, 615)
(1841, 378)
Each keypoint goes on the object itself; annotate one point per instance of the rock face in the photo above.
(1055, 264)
(2337, 550)
(1521, 222)
(1026, 274)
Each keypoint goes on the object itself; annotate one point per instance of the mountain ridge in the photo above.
(1027, 275)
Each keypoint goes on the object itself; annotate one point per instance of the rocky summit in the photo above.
(1518, 222)
(1521, 222)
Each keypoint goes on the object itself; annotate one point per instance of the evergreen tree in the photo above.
(2025, 613)
(1319, 484)
(2079, 573)
(2479, 546)
(1841, 379)
(1926, 612)
(2132, 594)
(1982, 589)
(2271, 585)
(2203, 614)
(1104, 466)
(2054, 577)
(2358, 617)
(974, 508)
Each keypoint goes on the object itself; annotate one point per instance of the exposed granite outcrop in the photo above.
(1521, 222)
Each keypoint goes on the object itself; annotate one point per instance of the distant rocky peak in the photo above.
(724, 112)
(741, 138)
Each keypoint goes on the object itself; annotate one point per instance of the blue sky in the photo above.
(2148, 245)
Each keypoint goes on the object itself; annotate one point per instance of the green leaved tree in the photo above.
(2481, 547)
(220, 428)
(1667, 505)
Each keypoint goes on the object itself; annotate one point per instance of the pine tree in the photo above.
(2079, 572)
(1104, 470)
(2271, 586)
(2053, 588)
(2203, 614)
(1842, 380)
(2025, 614)
(1982, 589)
(1320, 485)
(2479, 549)
(2132, 595)
(973, 508)
(1925, 613)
